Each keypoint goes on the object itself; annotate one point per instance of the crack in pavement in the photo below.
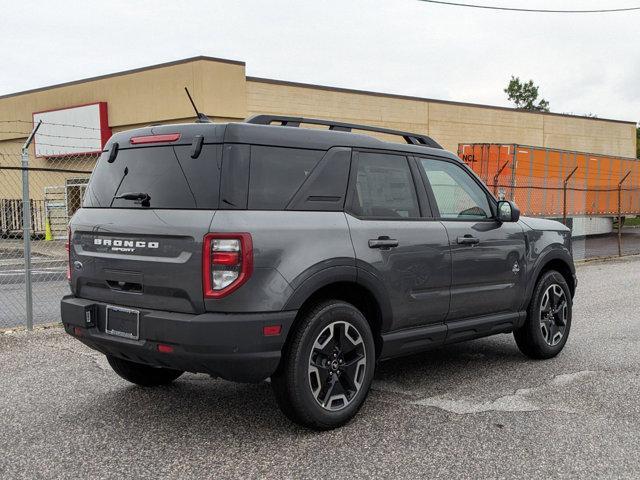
(519, 401)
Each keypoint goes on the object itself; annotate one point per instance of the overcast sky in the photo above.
(587, 63)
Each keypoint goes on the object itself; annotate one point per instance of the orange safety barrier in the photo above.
(541, 180)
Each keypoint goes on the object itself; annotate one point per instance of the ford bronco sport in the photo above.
(263, 249)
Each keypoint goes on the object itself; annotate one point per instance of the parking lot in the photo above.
(474, 410)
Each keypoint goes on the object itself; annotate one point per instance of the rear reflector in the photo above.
(166, 137)
(162, 348)
(78, 332)
(271, 330)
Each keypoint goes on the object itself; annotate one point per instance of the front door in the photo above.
(396, 240)
(488, 256)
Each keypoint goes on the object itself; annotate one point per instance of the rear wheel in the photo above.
(327, 368)
(546, 329)
(143, 375)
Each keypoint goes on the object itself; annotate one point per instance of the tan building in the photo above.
(222, 90)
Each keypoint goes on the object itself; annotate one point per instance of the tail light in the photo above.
(227, 262)
(67, 246)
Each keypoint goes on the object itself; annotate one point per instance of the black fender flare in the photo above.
(552, 252)
(321, 275)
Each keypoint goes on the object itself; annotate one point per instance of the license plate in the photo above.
(123, 322)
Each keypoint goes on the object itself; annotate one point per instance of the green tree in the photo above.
(524, 95)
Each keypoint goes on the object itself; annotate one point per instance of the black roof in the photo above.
(272, 135)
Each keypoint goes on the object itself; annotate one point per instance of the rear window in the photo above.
(277, 174)
(168, 175)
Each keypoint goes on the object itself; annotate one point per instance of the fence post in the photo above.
(620, 213)
(564, 195)
(495, 179)
(26, 226)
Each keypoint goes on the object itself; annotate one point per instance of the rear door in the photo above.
(396, 240)
(488, 256)
(137, 241)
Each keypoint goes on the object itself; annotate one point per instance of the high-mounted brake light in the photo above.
(166, 137)
(227, 262)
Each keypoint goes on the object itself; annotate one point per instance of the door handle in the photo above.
(468, 240)
(383, 242)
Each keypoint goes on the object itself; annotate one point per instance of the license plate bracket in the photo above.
(122, 322)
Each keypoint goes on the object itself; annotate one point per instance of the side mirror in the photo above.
(507, 211)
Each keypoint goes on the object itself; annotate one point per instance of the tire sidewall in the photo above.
(545, 282)
(333, 312)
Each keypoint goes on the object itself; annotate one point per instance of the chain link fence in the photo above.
(56, 185)
(604, 221)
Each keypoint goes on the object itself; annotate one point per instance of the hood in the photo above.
(544, 224)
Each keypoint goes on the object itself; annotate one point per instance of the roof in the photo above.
(271, 135)
(302, 85)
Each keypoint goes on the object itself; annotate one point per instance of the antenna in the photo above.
(202, 118)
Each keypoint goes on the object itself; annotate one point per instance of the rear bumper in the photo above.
(227, 345)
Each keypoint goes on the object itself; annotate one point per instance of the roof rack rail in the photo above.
(286, 121)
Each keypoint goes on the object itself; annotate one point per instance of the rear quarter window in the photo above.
(277, 173)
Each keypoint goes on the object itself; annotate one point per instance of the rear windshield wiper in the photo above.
(143, 198)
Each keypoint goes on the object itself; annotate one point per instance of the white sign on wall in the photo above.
(79, 130)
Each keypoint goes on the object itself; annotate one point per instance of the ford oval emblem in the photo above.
(77, 265)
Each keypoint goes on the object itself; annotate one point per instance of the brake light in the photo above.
(166, 137)
(227, 262)
(67, 247)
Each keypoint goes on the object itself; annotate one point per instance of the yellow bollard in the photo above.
(47, 231)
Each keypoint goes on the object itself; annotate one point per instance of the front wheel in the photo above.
(546, 329)
(327, 368)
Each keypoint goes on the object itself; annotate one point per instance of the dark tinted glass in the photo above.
(276, 175)
(384, 187)
(170, 177)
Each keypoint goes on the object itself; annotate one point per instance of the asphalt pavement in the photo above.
(472, 410)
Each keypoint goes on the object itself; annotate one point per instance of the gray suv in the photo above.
(264, 249)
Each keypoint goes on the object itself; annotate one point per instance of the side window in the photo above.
(277, 173)
(384, 187)
(457, 194)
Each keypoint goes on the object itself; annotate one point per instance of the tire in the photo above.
(143, 375)
(545, 333)
(315, 388)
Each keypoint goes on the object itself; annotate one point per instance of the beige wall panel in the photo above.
(608, 138)
(449, 134)
(294, 100)
(497, 117)
(603, 145)
(220, 89)
(144, 97)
